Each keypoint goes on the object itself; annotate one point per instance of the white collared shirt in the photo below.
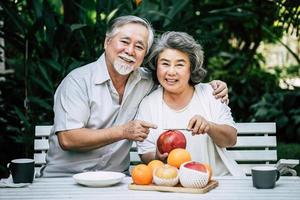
(201, 147)
(86, 98)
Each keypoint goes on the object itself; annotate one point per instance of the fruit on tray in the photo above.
(170, 140)
(194, 174)
(155, 164)
(166, 175)
(142, 174)
(196, 166)
(178, 156)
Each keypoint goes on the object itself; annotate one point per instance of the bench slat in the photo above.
(256, 141)
(250, 141)
(134, 157)
(133, 145)
(253, 155)
(245, 128)
(247, 167)
(41, 144)
(238, 155)
(40, 158)
(41, 131)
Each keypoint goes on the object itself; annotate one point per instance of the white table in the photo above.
(229, 188)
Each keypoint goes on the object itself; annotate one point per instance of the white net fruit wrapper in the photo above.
(192, 178)
(164, 181)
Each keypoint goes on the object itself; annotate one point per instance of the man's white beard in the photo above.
(123, 68)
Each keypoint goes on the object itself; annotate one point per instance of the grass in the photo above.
(289, 151)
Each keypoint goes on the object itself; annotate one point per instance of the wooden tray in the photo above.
(178, 188)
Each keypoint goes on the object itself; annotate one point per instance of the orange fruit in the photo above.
(142, 174)
(155, 164)
(178, 156)
(209, 171)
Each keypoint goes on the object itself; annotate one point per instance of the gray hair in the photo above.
(185, 43)
(123, 20)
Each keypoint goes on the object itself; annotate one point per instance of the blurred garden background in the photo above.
(252, 45)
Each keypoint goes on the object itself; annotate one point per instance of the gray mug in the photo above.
(22, 170)
(265, 177)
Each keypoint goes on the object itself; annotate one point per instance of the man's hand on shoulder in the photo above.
(220, 90)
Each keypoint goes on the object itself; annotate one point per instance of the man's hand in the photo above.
(198, 125)
(220, 90)
(137, 130)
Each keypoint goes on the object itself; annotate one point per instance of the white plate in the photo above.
(98, 178)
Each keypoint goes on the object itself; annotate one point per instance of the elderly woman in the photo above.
(182, 101)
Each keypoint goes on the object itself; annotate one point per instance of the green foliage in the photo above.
(283, 108)
(289, 15)
(14, 140)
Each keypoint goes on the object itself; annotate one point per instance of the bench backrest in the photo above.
(256, 145)
(41, 144)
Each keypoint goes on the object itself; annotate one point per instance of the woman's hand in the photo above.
(198, 125)
(159, 156)
(223, 135)
(220, 90)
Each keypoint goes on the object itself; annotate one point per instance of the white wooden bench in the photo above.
(41, 145)
(256, 145)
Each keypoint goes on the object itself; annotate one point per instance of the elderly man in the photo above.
(95, 105)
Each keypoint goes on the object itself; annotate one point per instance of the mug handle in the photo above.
(277, 175)
(8, 165)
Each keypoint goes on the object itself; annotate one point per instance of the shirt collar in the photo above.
(101, 74)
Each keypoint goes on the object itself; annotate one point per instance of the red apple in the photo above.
(196, 166)
(170, 140)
